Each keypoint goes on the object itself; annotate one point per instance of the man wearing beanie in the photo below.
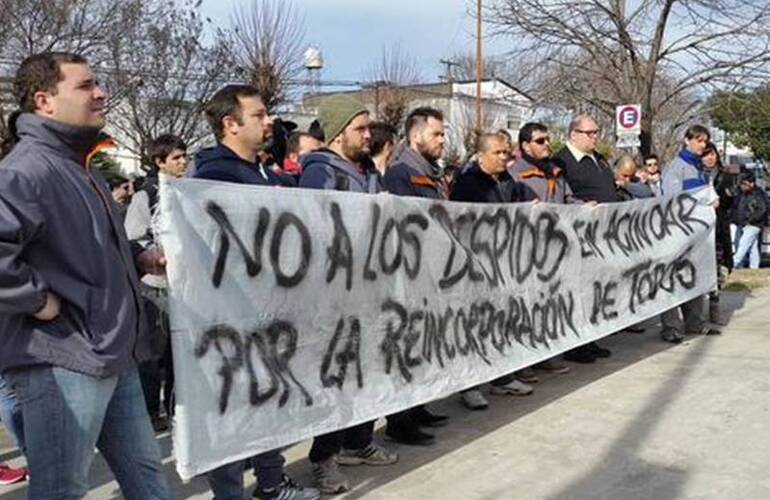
(344, 165)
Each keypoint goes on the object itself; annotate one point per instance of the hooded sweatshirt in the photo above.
(220, 163)
(325, 169)
(59, 233)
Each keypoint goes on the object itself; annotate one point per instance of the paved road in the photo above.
(654, 422)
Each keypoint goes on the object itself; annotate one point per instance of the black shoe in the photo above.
(580, 355)
(421, 416)
(596, 350)
(634, 329)
(408, 434)
(713, 331)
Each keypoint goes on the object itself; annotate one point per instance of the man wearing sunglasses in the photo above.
(591, 179)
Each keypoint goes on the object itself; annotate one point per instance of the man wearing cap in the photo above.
(343, 165)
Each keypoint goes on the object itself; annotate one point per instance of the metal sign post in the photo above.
(628, 125)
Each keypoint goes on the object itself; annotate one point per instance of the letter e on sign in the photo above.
(628, 118)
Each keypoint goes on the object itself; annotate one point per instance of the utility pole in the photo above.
(479, 66)
(449, 75)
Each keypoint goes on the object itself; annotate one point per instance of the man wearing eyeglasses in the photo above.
(591, 179)
(651, 174)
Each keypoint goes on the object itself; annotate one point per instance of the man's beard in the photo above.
(357, 155)
(427, 154)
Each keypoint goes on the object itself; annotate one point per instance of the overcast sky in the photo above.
(351, 33)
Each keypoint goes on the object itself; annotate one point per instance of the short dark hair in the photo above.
(225, 103)
(316, 130)
(40, 73)
(485, 140)
(293, 142)
(651, 157)
(420, 116)
(747, 176)
(694, 131)
(525, 134)
(382, 133)
(162, 146)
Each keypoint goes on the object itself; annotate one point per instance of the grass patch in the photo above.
(747, 280)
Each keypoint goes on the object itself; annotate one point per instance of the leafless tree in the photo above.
(267, 44)
(388, 81)
(652, 52)
(161, 77)
(81, 26)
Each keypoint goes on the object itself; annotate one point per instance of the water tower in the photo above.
(314, 62)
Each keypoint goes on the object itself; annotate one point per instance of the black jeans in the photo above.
(326, 446)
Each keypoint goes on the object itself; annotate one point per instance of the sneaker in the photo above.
(11, 476)
(553, 366)
(328, 477)
(515, 388)
(672, 336)
(527, 375)
(371, 455)
(580, 355)
(712, 331)
(597, 350)
(408, 434)
(474, 400)
(634, 329)
(421, 416)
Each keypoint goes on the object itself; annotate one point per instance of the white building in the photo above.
(504, 107)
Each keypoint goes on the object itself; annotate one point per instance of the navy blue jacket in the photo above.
(473, 184)
(220, 163)
(60, 233)
(325, 169)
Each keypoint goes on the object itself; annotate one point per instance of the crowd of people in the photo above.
(86, 360)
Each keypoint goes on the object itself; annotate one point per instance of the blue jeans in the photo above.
(67, 414)
(748, 243)
(10, 414)
(226, 482)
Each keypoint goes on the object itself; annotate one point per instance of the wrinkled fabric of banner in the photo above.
(298, 312)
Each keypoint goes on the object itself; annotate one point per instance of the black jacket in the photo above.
(589, 180)
(473, 184)
(751, 208)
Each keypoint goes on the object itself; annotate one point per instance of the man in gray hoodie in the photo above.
(683, 174)
(70, 306)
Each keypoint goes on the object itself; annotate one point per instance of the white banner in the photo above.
(298, 312)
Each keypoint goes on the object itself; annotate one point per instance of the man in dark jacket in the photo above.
(72, 321)
(242, 125)
(415, 172)
(344, 165)
(587, 172)
(591, 179)
(486, 181)
(751, 216)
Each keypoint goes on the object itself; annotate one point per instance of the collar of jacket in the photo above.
(416, 160)
(691, 158)
(541, 168)
(74, 142)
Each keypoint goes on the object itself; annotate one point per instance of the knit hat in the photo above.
(336, 112)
